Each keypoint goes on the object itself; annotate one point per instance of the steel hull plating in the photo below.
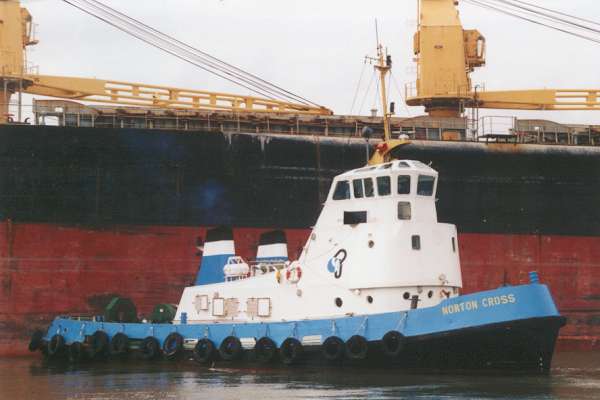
(87, 213)
(510, 328)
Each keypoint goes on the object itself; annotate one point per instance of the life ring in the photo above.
(173, 345)
(99, 343)
(149, 348)
(357, 348)
(265, 350)
(204, 351)
(76, 352)
(56, 345)
(333, 348)
(392, 344)
(290, 351)
(230, 348)
(293, 274)
(37, 340)
(119, 345)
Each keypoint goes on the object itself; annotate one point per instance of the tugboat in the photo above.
(377, 283)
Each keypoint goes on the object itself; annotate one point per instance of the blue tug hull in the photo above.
(511, 328)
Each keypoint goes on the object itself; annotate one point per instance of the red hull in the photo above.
(49, 270)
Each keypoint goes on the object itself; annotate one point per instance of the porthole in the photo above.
(371, 244)
(430, 294)
(370, 299)
(338, 302)
(406, 295)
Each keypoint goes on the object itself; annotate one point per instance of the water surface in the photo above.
(574, 376)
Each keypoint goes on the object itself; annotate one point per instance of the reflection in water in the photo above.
(575, 376)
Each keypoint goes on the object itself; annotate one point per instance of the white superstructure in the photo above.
(377, 247)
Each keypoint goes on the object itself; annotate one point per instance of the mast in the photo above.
(384, 65)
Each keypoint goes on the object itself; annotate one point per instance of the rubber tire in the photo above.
(357, 348)
(56, 345)
(76, 352)
(392, 344)
(333, 349)
(37, 340)
(149, 348)
(99, 344)
(204, 351)
(265, 350)
(173, 345)
(230, 348)
(119, 345)
(291, 351)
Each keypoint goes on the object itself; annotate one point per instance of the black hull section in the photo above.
(106, 177)
(517, 346)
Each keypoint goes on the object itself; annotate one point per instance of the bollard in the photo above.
(534, 277)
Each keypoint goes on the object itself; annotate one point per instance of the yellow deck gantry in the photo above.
(16, 35)
(446, 54)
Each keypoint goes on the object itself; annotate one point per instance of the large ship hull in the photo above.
(91, 213)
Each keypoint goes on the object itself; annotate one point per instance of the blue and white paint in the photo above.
(476, 310)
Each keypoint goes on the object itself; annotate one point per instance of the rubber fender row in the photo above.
(230, 349)
(100, 346)
(265, 350)
(291, 350)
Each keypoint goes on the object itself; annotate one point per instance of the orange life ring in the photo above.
(293, 274)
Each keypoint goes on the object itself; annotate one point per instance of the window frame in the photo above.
(409, 184)
(433, 186)
(370, 179)
(416, 242)
(389, 179)
(354, 187)
(405, 203)
(348, 192)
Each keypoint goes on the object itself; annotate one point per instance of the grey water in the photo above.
(574, 376)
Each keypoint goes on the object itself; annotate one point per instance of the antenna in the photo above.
(383, 64)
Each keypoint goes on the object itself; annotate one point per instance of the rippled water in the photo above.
(574, 376)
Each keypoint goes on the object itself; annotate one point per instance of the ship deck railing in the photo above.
(258, 268)
(415, 128)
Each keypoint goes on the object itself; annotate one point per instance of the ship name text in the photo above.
(473, 305)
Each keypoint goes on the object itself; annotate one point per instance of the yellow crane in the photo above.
(446, 54)
(16, 35)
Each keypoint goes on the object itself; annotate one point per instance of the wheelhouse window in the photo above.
(425, 185)
(403, 184)
(416, 242)
(384, 185)
(404, 212)
(355, 217)
(357, 185)
(369, 190)
(342, 191)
